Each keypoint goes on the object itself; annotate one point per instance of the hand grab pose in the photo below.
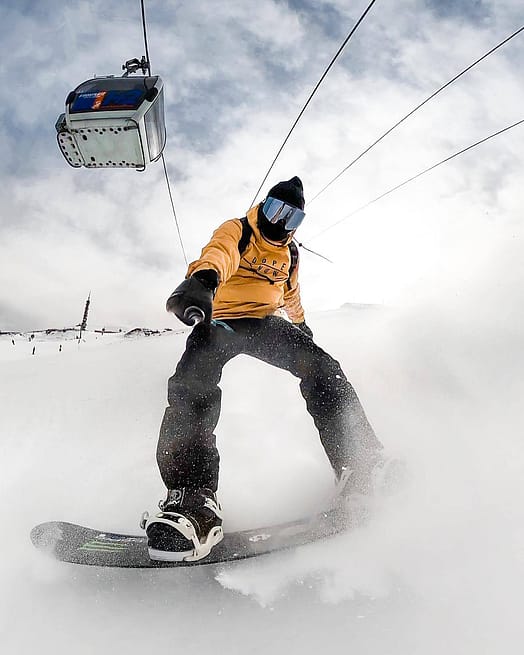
(235, 293)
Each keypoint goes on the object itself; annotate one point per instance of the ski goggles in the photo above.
(278, 211)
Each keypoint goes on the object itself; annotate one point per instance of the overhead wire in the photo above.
(173, 209)
(393, 127)
(144, 29)
(364, 152)
(166, 175)
(414, 177)
(339, 51)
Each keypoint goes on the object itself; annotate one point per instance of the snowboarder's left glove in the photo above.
(192, 301)
(305, 328)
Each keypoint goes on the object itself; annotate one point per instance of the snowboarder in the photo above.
(246, 275)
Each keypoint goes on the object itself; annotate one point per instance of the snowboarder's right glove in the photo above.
(192, 301)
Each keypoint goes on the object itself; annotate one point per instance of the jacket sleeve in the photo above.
(221, 253)
(292, 303)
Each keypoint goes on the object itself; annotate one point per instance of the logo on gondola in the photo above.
(99, 99)
(112, 99)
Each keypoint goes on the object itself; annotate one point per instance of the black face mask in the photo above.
(272, 231)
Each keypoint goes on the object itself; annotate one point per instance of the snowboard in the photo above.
(77, 544)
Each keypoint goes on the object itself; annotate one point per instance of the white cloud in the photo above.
(236, 75)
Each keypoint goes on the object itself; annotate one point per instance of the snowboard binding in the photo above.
(188, 526)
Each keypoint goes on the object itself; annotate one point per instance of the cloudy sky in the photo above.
(236, 75)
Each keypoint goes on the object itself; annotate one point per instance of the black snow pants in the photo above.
(187, 455)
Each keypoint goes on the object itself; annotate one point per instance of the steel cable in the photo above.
(444, 86)
(166, 175)
(348, 37)
(414, 177)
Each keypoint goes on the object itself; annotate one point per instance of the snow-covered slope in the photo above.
(438, 569)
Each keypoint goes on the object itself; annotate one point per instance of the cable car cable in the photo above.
(166, 175)
(348, 37)
(174, 212)
(414, 177)
(144, 29)
(454, 79)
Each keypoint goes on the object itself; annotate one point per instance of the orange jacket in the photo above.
(256, 284)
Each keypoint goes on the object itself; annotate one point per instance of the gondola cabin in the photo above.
(113, 122)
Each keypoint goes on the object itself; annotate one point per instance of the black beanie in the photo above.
(290, 191)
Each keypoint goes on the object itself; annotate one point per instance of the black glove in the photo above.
(192, 301)
(305, 328)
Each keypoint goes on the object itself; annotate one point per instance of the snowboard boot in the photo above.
(187, 527)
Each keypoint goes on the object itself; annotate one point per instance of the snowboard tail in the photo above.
(77, 544)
